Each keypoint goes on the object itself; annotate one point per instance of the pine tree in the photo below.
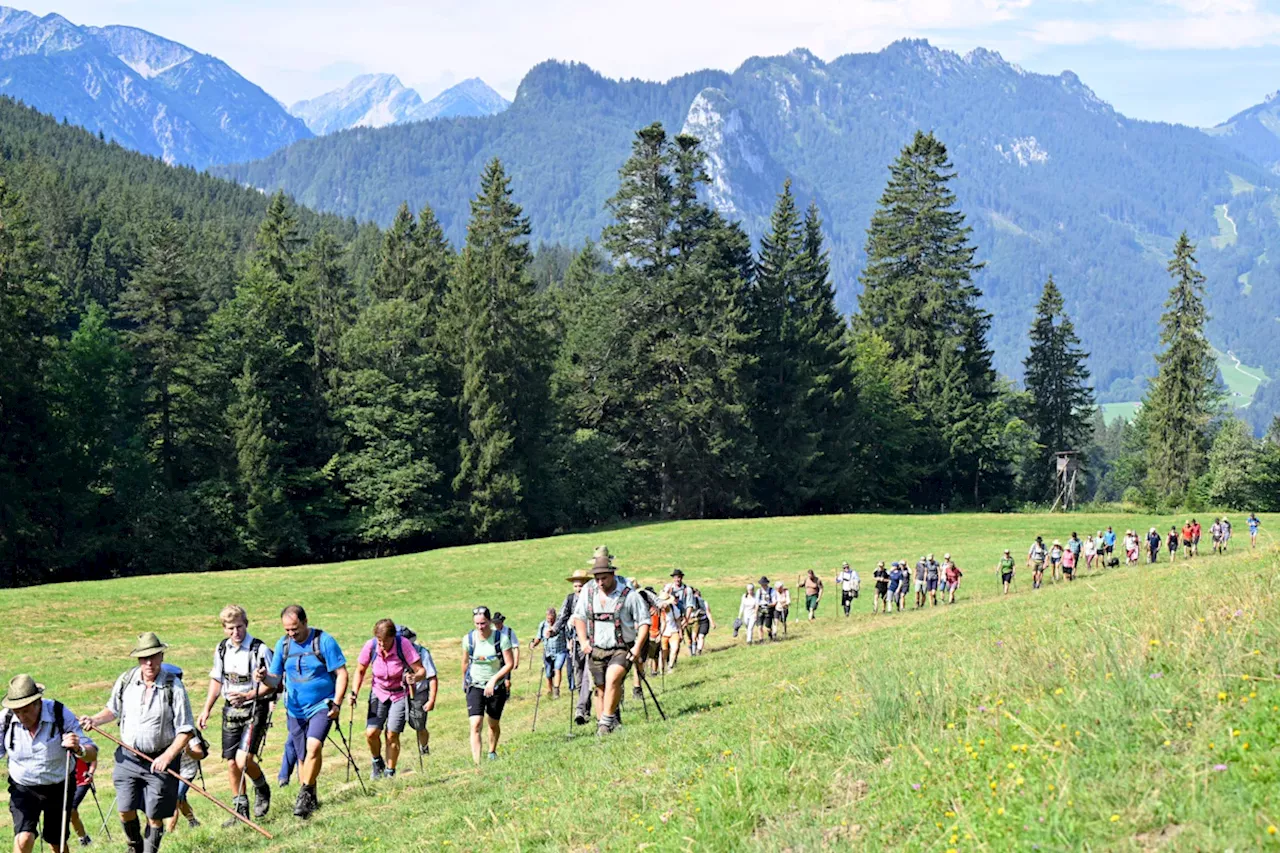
(279, 241)
(504, 360)
(640, 235)
(1058, 380)
(398, 262)
(331, 304)
(919, 297)
(1182, 398)
(435, 259)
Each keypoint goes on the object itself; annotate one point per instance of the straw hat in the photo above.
(23, 690)
(601, 551)
(579, 575)
(148, 644)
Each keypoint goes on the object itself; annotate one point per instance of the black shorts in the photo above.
(765, 617)
(479, 705)
(33, 806)
(1108, 548)
(1006, 577)
(238, 734)
(602, 659)
(704, 626)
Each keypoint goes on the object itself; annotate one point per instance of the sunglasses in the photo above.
(480, 611)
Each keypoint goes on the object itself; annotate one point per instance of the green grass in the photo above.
(1082, 716)
(1120, 411)
(1239, 185)
(1242, 381)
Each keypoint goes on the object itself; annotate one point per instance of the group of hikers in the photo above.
(605, 628)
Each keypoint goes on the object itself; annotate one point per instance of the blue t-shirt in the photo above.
(308, 681)
(1109, 537)
(1253, 525)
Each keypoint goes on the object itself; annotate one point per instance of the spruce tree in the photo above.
(331, 304)
(1058, 381)
(397, 265)
(640, 234)
(504, 360)
(279, 241)
(435, 259)
(1182, 398)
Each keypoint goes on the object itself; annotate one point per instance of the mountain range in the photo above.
(1255, 132)
(146, 92)
(377, 100)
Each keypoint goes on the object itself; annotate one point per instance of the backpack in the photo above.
(6, 723)
(315, 650)
(615, 617)
(471, 653)
(254, 645)
(164, 682)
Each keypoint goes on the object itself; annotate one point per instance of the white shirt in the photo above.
(145, 723)
(747, 609)
(241, 665)
(848, 580)
(39, 759)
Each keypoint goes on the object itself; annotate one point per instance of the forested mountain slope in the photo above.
(1052, 178)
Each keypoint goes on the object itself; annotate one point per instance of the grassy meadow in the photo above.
(1134, 709)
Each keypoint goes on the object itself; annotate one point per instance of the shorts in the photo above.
(1068, 570)
(78, 795)
(238, 734)
(652, 649)
(1108, 548)
(1186, 543)
(387, 714)
(480, 705)
(35, 805)
(952, 586)
(704, 627)
(1006, 577)
(1037, 565)
(931, 584)
(417, 716)
(315, 727)
(602, 659)
(782, 614)
(765, 617)
(553, 663)
(138, 789)
(811, 602)
(882, 591)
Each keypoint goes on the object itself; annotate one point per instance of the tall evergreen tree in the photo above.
(1058, 380)
(504, 362)
(435, 260)
(642, 207)
(398, 262)
(1182, 398)
(919, 297)
(279, 240)
(331, 304)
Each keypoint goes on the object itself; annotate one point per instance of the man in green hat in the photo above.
(155, 719)
(37, 737)
(612, 623)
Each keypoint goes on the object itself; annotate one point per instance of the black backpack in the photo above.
(59, 727)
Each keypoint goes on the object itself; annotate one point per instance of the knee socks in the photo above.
(133, 834)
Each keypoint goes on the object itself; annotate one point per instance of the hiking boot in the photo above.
(304, 805)
(493, 756)
(193, 822)
(390, 773)
(555, 693)
(379, 767)
(241, 806)
(636, 693)
(86, 841)
(580, 719)
(425, 749)
(261, 801)
(602, 729)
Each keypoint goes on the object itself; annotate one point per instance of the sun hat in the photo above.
(846, 564)
(946, 556)
(23, 690)
(1006, 550)
(601, 551)
(148, 644)
(677, 573)
(602, 565)
(579, 575)
(498, 617)
(764, 581)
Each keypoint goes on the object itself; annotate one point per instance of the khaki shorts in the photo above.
(602, 659)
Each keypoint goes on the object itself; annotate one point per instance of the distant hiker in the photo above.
(922, 570)
(683, 597)
(1131, 547)
(422, 695)
(554, 652)
(155, 719)
(748, 608)
(84, 771)
(707, 622)
(36, 737)
(1226, 533)
(509, 638)
(768, 599)
(1153, 546)
(1005, 567)
(612, 622)
(1075, 546)
(1254, 523)
(1090, 552)
(653, 654)
(812, 594)
(1109, 542)
(395, 665)
(905, 586)
(487, 660)
(1195, 537)
(1055, 560)
(895, 581)
(881, 601)
(244, 721)
(849, 583)
(951, 572)
(314, 672)
(1069, 564)
(1187, 532)
(1171, 542)
(783, 608)
(197, 751)
(1036, 556)
(932, 572)
(577, 655)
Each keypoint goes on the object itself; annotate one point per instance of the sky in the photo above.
(1192, 61)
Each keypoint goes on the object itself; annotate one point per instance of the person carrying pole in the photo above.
(422, 696)
(577, 656)
(40, 739)
(396, 666)
(156, 725)
(244, 709)
(554, 652)
(310, 664)
(612, 623)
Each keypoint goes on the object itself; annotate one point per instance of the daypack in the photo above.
(316, 634)
(614, 617)
(471, 653)
(254, 645)
(164, 682)
(7, 724)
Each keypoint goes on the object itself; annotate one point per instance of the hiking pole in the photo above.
(413, 698)
(652, 695)
(351, 762)
(199, 790)
(66, 797)
(643, 701)
(347, 739)
(536, 703)
(93, 789)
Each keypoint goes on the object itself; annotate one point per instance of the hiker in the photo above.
(895, 581)
(577, 656)
(782, 608)
(1131, 547)
(612, 622)
(812, 594)
(1035, 559)
(1069, 564)
(37, 735)
(905, 586)
(1226, 533)
(554, 652)
(395, 666)
(1254, 523)
(1187, 532)
(931, 574)
(1090, 552)
(155, 719)
(952, 574)
(1109, 542)
(1195, 537)
(767, 598)
(922, 569)
(1171, 542)
(747, 611)
(1075, 546)
(509, 637)
(1055, 560)
(1215, 535)
(486, 662)
(197, 751)
(84, 771)
(313, 669)
(849, 583)
(882, 589)
(1153, 546)
(683, 597)
(653, 654)
(706, 622)
(1005, 568)
(422, 695)
(244, 710)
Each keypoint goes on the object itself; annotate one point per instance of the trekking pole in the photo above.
(536, 703)
(93, 789)
(652, 695)
(413, 698)
(244, 771)
(347, 739)
(351, 762)
(643, 701)
(199, 790)
(66, 798)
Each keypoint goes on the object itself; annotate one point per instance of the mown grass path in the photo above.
(1133, 709)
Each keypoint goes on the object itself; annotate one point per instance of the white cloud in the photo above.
(1173, 25)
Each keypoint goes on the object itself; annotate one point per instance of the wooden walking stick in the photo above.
(201, 791)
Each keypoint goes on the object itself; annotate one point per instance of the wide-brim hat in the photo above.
(601, 551)
(148, 644)
(677, 573)
(602, 563)
(498, 617)
(1006, 550)
(579, 575)
(764, 581)
(946, 556)
(23, 690)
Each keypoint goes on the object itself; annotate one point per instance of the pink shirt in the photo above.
(388, 671)
(1069, 559)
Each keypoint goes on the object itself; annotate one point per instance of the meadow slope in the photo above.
(1134, 709)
